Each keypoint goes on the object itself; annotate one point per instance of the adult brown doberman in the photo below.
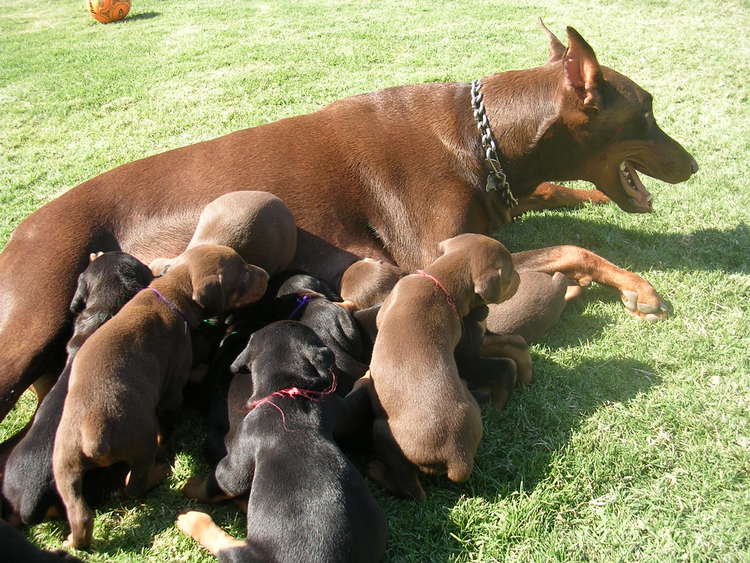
(385, 175)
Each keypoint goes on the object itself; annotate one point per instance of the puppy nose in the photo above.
(693, 166)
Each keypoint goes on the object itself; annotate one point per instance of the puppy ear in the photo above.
(78, 303)
(367, 320)
(489, 286)
(323, 360)
(208, 292)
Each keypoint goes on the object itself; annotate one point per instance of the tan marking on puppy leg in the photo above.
(201, 527)
(195, 489)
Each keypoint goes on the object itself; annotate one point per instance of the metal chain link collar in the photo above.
(496, 178)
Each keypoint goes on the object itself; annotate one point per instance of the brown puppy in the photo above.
(536, 306)
(368, 282)
(257, 225)
(127, 379)
(425, 417)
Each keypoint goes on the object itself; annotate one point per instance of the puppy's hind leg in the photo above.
(69, 471)
(200, 527)
(391, 469)
(145, 474)
(496, 374)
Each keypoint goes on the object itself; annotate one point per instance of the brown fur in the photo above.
(257, 225)
(385, 175)
(127, 379)
(368, 282)
(424, 411)
(534, 308)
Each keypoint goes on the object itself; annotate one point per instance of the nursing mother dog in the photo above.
(385, 175)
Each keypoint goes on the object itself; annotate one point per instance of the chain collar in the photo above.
(496, 179)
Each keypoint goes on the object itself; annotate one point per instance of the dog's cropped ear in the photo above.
(582, 72)
(489, 286)
(208, 292)
(556, 48)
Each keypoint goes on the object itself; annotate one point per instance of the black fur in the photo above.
(299, 297)
(307, 501)
(482, 374)
(17, 549)
(103, 288)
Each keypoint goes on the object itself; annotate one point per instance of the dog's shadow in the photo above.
(704, 249)
(515, 455)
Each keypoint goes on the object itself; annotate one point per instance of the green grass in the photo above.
(634, 441)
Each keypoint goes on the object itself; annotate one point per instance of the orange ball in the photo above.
(107, 11)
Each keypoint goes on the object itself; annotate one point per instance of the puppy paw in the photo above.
(73, 543)
(195, 488)
(409, 487)
(193, 522)
(645, 305)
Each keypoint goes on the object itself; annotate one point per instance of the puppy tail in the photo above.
(69, 468)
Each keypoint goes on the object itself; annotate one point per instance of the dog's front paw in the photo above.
(645, 305)
(193, 522)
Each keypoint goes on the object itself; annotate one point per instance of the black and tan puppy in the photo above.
(334, 325)
(307, 502)
(426, 418)
(310, 301)
(127, 380)
(110, 281)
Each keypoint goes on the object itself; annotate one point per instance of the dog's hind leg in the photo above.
(391, 470)
(38, 273)
(144, 474)
(69, 472)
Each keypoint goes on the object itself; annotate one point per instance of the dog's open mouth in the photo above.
(634, 188)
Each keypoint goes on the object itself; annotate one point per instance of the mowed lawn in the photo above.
(633, 443)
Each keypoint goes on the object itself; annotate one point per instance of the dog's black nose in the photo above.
(693, 166)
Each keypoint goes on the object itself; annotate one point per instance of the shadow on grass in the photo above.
(139, 16)
(516, 453)
(703, 249)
